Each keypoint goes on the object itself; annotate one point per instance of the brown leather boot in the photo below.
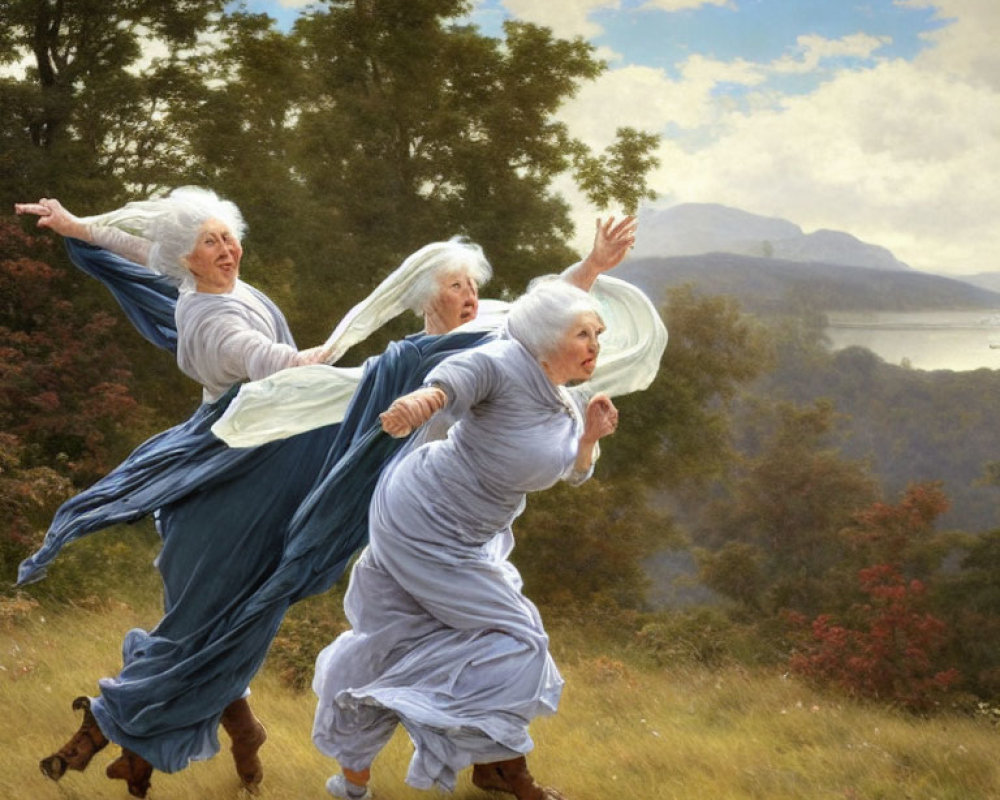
(512, 776)
(78, 751)
(134, 770)
(488, 776)
(248, 735)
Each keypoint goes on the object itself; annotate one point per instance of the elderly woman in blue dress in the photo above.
(442, 639)
(192, 671)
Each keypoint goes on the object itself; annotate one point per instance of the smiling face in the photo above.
(575, 354)
(455, 302)
(215, 260)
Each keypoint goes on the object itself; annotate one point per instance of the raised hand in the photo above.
(612, 242)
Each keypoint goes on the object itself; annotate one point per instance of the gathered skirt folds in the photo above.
(245, 534)
(442, 642)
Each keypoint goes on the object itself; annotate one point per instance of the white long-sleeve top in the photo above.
(224, 339)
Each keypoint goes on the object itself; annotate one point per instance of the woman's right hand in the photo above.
(409, 412)
(52, 215)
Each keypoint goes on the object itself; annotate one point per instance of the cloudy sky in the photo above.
(876, 117)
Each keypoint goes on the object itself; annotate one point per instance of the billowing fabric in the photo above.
(147, 298)
(257, 531)
(227, 338)
(442, 639)
(246, 532)
(293, 401)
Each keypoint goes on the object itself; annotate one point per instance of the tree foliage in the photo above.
(85, 122)
(66, 408)
(889, 645)
(678, 431)
(788, 505)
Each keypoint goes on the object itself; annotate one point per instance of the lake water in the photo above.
(956, 340)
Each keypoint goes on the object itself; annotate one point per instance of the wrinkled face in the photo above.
(575, 355)
(215, 260)
(455, 302)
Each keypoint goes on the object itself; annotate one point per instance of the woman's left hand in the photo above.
(314, 355)
(601, 418)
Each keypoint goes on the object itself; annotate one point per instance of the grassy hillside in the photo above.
(770, 285)
(623, 731)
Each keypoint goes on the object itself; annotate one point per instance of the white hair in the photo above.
(430, 262)
(172, 224)
(540, 317)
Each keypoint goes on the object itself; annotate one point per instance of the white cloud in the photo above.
(966, 46)
(566, 18)
(683, 5)
(899, 154)
(812, 50)
(910, 174)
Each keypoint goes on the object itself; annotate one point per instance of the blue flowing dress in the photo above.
(245, 532)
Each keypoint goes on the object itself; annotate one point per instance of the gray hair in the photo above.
(540, 317)
(441, 258)
(172, 224)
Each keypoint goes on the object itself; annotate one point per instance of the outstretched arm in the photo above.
(52, 215)
(409, 412)
(611, 244)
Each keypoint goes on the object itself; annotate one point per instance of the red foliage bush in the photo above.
(893, 649)
(65, 403)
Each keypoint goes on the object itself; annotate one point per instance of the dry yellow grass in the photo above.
(622, 732)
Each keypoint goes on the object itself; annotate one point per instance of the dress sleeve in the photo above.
(579, 396)
(229, 351)
(466, 378)
(121, 243)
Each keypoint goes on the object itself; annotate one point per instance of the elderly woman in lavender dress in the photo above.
(442, 639)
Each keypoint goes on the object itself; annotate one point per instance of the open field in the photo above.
(622, 732)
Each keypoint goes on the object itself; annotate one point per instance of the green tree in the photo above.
(619, 176)
(789, 504)
(679, 430)
(86, 123)
(419, 128)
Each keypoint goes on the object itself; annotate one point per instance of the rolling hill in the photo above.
(776, 286)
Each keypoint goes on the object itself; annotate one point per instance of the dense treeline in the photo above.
(369, 129)
(372, 127)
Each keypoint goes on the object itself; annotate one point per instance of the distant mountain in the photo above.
(772, 285)
(697, 228)
(984, 280)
